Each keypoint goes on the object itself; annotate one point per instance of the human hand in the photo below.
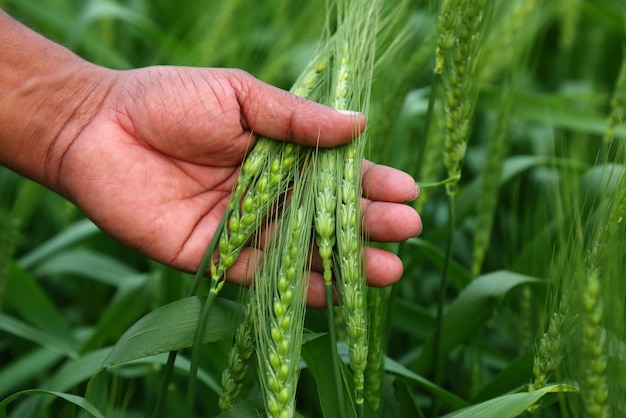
(155, 163)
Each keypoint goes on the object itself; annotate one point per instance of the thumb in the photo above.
(275, 113)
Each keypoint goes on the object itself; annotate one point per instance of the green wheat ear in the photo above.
(601, 302)
(354, 62)
(461, 84)
(590, 317)
(239, 360)
(280, 301)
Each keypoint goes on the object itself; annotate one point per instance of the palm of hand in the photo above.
(156, 165)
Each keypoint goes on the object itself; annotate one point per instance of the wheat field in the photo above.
(508, 113)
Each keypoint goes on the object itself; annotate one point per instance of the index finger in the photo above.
(277, 114)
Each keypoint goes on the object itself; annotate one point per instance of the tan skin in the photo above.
(150, 155)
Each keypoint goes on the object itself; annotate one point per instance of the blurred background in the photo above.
(535, 229)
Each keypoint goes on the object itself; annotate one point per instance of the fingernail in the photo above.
(416, 193)
(350, 113)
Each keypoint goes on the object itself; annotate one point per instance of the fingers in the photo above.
(387, 184)
(278, 114)
(383, 268)
(385, 218)
(389, 222)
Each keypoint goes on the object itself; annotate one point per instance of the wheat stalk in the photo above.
(486, 207)
(280, 300)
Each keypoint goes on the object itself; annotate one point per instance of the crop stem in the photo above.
(441, 299)
(333, 345)
(171, 359)
(197, 344)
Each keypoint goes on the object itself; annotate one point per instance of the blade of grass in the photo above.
(26, 297)
(126, 307)
(74, 234)
(317, 354)
(169, 328)
(41, 337)
(85, 263)
(509, 406)
(26, 368)
(469, 311)
(76, 400)
(450, 399)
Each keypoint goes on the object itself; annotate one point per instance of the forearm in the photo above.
(47, 96)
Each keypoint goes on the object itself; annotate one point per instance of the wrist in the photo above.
(47, 96)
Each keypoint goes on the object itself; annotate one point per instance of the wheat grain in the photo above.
(449, 14)
(239, 359)
(325, 207)
(594, 347)
(549, 352)
(280, 305)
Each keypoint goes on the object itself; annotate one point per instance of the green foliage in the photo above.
(88, 323)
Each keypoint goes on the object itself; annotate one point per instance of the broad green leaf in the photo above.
(181, 365)
(407, 316)
(67, 238)
(76, 370)
(317, 355)
(517, 373)
(28, 366)
(129, 303)
(172, 327)
(448, 398)
(468, 312)
(508, 406)
(20, 329)
(81, 369)
(76, 400)
(404, 402)
(88, 264)
(99, 392)
(27, 298)
(458, 275)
